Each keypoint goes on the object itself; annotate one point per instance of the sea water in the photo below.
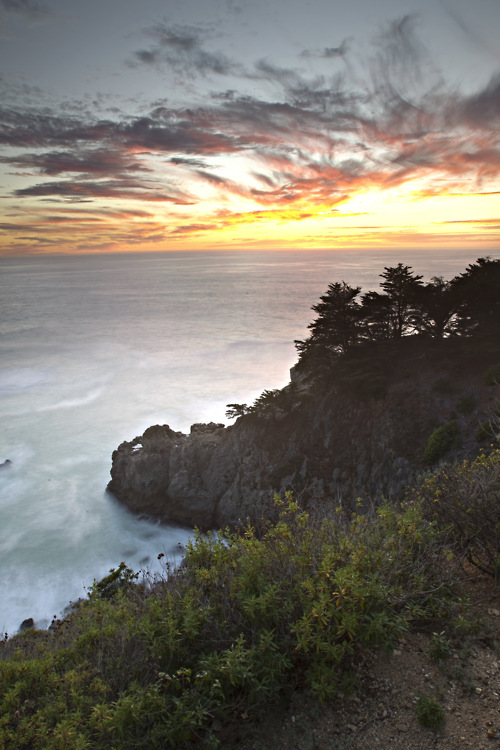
(95, 349)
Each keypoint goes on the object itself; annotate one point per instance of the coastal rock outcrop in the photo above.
(333, 444)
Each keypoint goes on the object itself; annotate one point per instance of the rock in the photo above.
(210, 427)
(26, 625)
(330, 445)
(5, 464)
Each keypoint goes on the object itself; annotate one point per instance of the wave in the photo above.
(19, 379)
(72, 402)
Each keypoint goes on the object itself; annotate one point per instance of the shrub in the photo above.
(490, 428)
(157, 663)
(440, 646)
(465, 502)
(440, 442)
(429, 712)
(119, 579)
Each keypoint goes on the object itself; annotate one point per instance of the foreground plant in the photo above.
(465, 501)
(168, 662)
(429, 712)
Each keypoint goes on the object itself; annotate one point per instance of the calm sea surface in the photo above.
(94, 349)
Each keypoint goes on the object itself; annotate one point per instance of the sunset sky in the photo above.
(214, 124)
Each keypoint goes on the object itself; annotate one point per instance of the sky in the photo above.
(248, 124)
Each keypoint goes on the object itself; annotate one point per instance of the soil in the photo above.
(382, 712)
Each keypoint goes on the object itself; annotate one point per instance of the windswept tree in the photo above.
(478, 289)
(467, 304)
(376, 316)
(438, 304)
(337, 326)
(401, 286)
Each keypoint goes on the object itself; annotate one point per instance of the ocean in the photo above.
(96, 348)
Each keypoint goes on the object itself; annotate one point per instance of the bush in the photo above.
(440, 442)
(440, 646)
(490, 428)
(429, 712)
(158, 663)
(465, 501)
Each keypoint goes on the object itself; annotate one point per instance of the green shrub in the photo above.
(119, 579)
(440, 442)
(465, 501)
(429, 712)
(155, 663)
(440, 646)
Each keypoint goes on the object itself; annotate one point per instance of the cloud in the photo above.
(482, 110)
(193, 228)
(182, 48)
(89, 190)
(92, 161)
(328, 53)
(296, 144)
(33, 10)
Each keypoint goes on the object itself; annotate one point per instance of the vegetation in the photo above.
(270, 403)
(440, 442)
(356, 335)
(407, 307)
(178, 660)
(429, 712)
(465, 501)
(175, 661)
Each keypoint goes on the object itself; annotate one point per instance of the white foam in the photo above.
(72, 403)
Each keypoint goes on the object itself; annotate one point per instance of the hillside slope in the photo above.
(358, 431)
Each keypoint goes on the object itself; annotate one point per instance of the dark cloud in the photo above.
(12, 227)
(29, 127)
(182, 48)
(182, 161)
(482, 110)
(85, 190)
(328, 53)
(33, 10)
(94, 161)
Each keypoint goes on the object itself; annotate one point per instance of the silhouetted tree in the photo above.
(437, 306)
(478, 289)
(337, 326)
(401, 287)
(467, 303)
(376, 316)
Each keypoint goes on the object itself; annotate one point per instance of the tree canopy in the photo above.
(407, 306)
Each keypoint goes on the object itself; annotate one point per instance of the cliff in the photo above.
(357, 432)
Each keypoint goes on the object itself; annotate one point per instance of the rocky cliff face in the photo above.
(333, 445)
